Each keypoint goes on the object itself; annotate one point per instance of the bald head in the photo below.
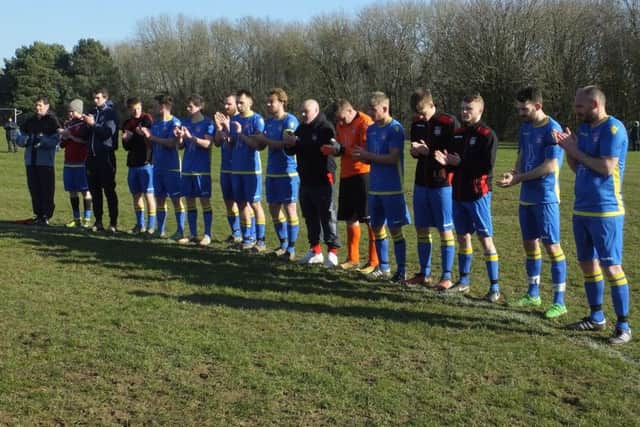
(310, 110)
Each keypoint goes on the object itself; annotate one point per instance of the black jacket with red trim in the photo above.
(437, 133)
(477, 145)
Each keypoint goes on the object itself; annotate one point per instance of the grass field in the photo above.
(98, 330)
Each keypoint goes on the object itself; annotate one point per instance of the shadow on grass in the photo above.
(137, 260)
(367, 312)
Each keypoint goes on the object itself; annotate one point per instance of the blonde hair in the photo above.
(379, 98)
(280, 94)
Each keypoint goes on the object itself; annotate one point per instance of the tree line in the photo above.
(454, 47)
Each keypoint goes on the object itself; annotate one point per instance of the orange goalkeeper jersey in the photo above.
(349, 136)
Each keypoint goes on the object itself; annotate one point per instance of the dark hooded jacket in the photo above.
(315, 169)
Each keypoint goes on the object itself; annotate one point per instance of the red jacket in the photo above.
(76, 152)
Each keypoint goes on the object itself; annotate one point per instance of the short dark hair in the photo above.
(342, 104)
(164, 99)
(419, 98)
(475, 97)
(101, 90)
(43, 99)
(529, 94)
(196, 100)
(133, 101)
(244, 92)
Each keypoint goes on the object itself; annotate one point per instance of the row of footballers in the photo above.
(452, 188)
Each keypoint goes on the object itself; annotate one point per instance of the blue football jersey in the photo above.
(383, 178)
(598, 195)
(280, 164)
(197, 160)
(165, 158)
(244, 159)
(537, 144)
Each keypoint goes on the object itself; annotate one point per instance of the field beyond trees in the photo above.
(99, 330)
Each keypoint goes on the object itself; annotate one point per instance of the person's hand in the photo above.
(221, 121)
(185, 132)
(145, 132)
(126, 134)
(359, 153)
(440, 157)
(508, 179)
(327, 149)
(567, 141)
(419, 148)
(139, 131)
(64, 133)
(89, 119)
(453, 159)
(289, 140)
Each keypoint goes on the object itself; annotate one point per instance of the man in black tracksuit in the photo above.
(317, 176)
(101, 163)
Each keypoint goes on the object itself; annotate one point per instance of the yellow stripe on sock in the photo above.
(424, 236)
(537, 254)
(448, 242)
(465, 251)
(596, 277)
(619, 279)
(381, 235)
(558, 256)
(491, 257)
(397, 236)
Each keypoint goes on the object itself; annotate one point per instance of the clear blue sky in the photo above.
(114, 20)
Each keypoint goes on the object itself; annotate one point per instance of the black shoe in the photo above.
(586, 324)
(97, 227)
(42, 221)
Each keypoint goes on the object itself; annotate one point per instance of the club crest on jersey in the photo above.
(437, 131)
(314, 137)
(472, 141)
(614, 130)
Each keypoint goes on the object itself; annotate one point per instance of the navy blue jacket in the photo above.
(39, 136)
(103, 135)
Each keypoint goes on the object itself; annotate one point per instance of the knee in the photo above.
(612, 270)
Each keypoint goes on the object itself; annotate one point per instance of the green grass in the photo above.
(102, 331)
